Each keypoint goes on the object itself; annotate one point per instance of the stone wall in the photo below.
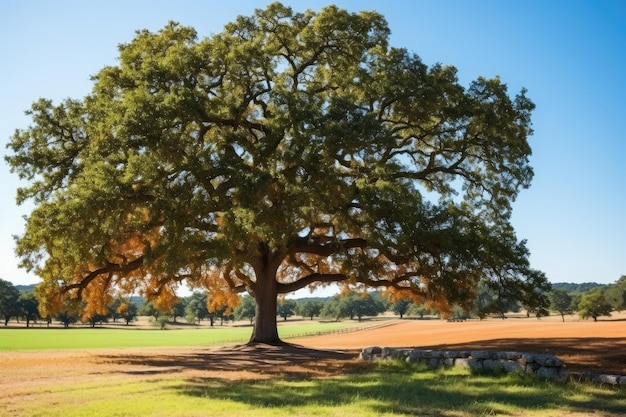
(543, 365)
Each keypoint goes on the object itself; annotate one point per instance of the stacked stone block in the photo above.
(542, 365)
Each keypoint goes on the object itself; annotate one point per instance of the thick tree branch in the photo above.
(111, 268)
(284, 288)
(311, 245)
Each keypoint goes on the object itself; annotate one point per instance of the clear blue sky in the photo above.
(570, 54)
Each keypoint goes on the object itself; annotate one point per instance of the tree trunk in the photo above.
(266, 297)
(265, 325)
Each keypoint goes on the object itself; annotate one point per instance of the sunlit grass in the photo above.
(381, 391)
(87, 338)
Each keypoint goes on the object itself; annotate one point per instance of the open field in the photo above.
(583, 345)
(21, 338)
(323, 377)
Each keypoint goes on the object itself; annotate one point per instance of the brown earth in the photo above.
(583, 345)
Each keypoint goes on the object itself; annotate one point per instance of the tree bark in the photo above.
(265, 324)
(266, 296)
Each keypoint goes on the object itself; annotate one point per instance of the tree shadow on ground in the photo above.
(244, 362)
(409, 392)
(600, 355)
(293, 376)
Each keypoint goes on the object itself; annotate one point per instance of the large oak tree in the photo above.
(289, 150)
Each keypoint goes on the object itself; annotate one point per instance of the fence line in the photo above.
(335, 331)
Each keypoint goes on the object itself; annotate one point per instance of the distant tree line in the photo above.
(588, 300)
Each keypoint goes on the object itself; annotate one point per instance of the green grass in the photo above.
(385, 390)
(88, 338)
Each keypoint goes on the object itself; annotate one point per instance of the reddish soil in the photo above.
(582, 345)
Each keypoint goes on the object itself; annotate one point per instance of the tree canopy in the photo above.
(292, 149)
(593, 304)
(560, 301)
(9, 301)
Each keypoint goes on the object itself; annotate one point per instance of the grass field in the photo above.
(383, 390)
(90, 338)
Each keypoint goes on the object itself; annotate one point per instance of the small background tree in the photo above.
(150, 310)
(9, 301)
(28, 305)
(127, 310)
(615, 294)
(309, 308)
(593, 304)
(560, 301)
(401, 307)
(246, 308)
(196, 308)
(286, 308)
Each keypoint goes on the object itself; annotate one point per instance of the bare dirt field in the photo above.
(583, 345)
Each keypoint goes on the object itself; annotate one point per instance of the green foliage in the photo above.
(458, 314)
(576, 297)
(66, 318)
(286, 308)
(593, 304)
(26, 288)
(401, 307)
(69, 313)
(9, 305)
(419, 310)
(560, 301)
(493, 299)
(572, 287)
(95, 319)
(149, 309)
(196, 309)
(309, 308)
(332, 309)
(178, 310)
(128, 312)
(287, 150)
(246, 308)
(615, 294)
(161, 322)
(28, 307)
(354, 305)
